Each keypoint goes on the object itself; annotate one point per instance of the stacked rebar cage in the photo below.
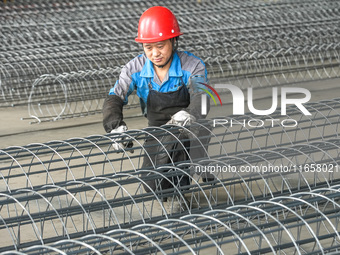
(82, 195)
(62, 58)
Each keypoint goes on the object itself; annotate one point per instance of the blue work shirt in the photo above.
(139, 75)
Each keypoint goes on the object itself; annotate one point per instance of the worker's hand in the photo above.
(182, 118)
(120, 142)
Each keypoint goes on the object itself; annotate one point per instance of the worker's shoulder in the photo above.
(189, 60)
(187, 54)
(136, 64)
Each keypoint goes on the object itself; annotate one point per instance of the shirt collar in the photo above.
(175, 69)
(147, 70)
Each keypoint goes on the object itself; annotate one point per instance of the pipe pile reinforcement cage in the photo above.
(109, 205)
(83, 187)
(249, 44)
(229, 136)
(301, 223)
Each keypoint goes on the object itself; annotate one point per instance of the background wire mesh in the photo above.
(80, 195)
(249, 44)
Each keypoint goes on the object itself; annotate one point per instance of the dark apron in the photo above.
(160, 108)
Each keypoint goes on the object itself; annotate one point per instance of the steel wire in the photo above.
(223, 136)
(301, 223)
(258, 186)
(49, 189)
(249, 44)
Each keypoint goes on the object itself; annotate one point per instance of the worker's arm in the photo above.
(112, 113)
(199, 74)
(118, 96)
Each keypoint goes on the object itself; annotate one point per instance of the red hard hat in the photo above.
(157, 24)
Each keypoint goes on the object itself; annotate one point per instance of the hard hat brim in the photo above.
(156, 39)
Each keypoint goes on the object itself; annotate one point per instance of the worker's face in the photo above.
(158, 52)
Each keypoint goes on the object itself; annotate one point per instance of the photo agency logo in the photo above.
(199, 83)
(204, 96)
(239, 105)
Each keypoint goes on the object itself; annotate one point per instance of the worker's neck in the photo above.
(161, 72)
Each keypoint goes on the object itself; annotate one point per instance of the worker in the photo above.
(160, 76)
